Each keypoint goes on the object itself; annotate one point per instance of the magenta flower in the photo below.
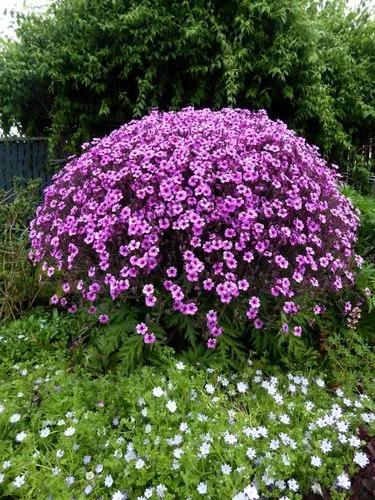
(297, 330)
(54, 299)
(103, 318)
(141, 328)
(149, 338)
(211, 343)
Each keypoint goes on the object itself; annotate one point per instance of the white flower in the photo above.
(242, 387)
(284, 418)
(59, 453)
(171, 406)
(240, 496)
(226, 469)
(354, 442)
(202, 488)
(6, 464)
(230, 438)
(16, 417)
(326, 445)
(99, 469)
(274, 444)
(60, 422)
(19, 481)
(45, 432)
(178, 452)
(251, 492)
(139, 463)
(1, 478)
(161, 490)
(176, 465)
(157, 392)
(184, 427)
(317, 489)
(361, 459)
(69, 480)
(251, 453)
(69, 431)
(320, 382)
(204, 449)
(342, 426)
(2, 408)
(55, 471)
(144, 412)
(88, 489)
(343, 481)
(108, 481)
(90, 475)
(316, 461)
(21, 436)
(180, 365)
(210, 389)
(293, 485)
(117, 495)
(149, 492)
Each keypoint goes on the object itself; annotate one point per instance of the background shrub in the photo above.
(196, 212)
(88, 66)
(19, 286)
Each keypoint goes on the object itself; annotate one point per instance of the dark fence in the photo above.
(25, 158)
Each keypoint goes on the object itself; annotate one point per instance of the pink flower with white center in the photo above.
(149, 338)
(297, 330)
(54, 299)
(103, 318)
(141, 328)
(171, 272)
(211, 343)
(148, 290)
(254, 302)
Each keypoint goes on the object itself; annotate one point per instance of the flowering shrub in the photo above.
(175, 432)
(196, 210)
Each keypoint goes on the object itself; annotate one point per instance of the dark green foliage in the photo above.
(19, 287)
(366, 239)
(89, 65)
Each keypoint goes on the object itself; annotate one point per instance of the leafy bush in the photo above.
(19, 285)
(194, 212)
(171, 433)
(87, 66)
(366, 234)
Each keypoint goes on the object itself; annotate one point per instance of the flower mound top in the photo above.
(183, 205)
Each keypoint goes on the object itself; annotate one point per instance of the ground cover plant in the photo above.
(179, 431)
(198, 211)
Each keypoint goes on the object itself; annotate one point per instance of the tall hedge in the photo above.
(87, 66)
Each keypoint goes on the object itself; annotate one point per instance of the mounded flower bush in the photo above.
(191, 211)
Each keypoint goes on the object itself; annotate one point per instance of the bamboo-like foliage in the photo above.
(87, 66)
